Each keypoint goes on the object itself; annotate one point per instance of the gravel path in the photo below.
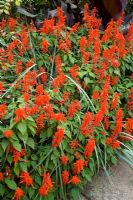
(120, 186)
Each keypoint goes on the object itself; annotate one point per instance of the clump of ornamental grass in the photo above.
(65, 105)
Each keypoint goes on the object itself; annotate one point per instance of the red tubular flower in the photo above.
(89, 148)
(8, 133)
(109, 141)
(46, 186)
(115, 101)
(108, 32)
(115, 144)
(58, 64)
(59, 81)
(86, 56)
(1, 87)
(20, 114)
(18, 67)
(106, 123)
(61, 19)
(74, 144)
(74, 72)
(42, 100)
(129, 126)
(43, 191)
(75, 180)
(73, 108)
(47, 181)
(24, 37)
(19, 193)
(59, 117)
(118, 126)
(74, 28)
(1, 176)
(2, 110)
(95, 95)
(82, 43)
(26, 179)
(78, 166)
(43, 75)
(11, 23)
(85, 129)
(45, 45)
(130, 101)
(97, 51)
(65, 177)
(58, 137)
(114, 80)
(64, 159)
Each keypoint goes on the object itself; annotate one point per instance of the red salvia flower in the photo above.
(43, 75)
(42, 100)
(115, 101)
(109, 141)
(86, 56)
(58, 117)
(114, 80)
(118, 126)
(115, 144)
(65, 177)
(24, 37)
(73, 108)
(43, 191)
(2, 110)
(129, 126)
(19, 193)
(74, 180)
(64, 159)
(89, 148)
(46, 186)
(58, 64)
(106, 123)
(11, 23)
(26, 179)
(1, 87)
(78, 166)
(59, 81)
(85, 129)
(74, 72)
(95, 95)
(20, 114)
(18, 67)
(47, 181)
(74, 28)
(58, 137)
(45, 45)
(1, 176)
(74, 144)
(8, 133)
(82, 43)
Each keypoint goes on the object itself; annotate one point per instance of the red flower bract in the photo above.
(26, 179)
(19, 193)
(58, 137)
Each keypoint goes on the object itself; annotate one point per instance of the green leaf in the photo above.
(2, 190)
(22, 127)
(17, 146)
(16, 170)
(31, 192)
(31, 143)
(4, 144)
(75, 193)
(23, 166)
(11, 184)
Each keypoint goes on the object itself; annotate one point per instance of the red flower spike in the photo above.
(78, 166)
(8, 133)
(19, 193)
(65, 177)
(1, 176)
(89, 148)
(26, 179)
(58, 137)
(75, 180)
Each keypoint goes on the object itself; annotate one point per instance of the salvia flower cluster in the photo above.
(66, 102)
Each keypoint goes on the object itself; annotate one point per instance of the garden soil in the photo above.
(118, 186)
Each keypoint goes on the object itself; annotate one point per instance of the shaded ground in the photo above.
(118, 187)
